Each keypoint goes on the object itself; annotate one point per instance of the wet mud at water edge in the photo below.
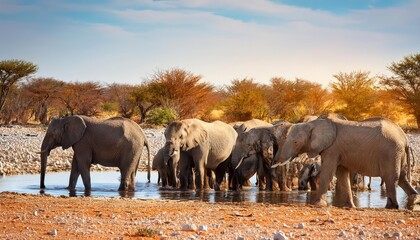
(105, 184)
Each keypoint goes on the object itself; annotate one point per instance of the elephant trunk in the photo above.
(45, 152)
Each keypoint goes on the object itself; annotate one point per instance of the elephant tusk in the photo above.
(281, 163)
(173, 153)
(240, 162)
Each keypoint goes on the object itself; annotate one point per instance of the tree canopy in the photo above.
(11, 71)
(405, 83)
(178, 94)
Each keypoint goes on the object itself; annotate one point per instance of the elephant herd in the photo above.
(283, 156)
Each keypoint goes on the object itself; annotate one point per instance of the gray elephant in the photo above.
(249, 166)
(309, 174)
(377, 147)
(254, 151)
(159, 165)
(115, 142)
(207, 145)
(245, 126)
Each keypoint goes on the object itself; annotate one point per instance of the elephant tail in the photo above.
(146, 144)
(409, 152)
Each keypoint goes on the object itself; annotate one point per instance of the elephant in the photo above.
(115, 142)
(207, 145)
(254, 151)
(245, 126)
(374, 147)
(248, 168)
(309, 174)
(159, 165)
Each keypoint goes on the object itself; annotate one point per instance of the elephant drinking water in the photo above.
(207, 145)
(374, 147)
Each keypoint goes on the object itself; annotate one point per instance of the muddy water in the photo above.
(105, 184)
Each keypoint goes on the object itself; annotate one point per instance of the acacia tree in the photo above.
(245, 100)
(291, 100)
(405, 84)
(355, 94)
(122, 94)
(11, 71)
(181, 90)
(44, 92)
(81, 98)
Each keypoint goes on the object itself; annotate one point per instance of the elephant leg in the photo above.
(413, 195)
(74, 174)
(220, 174)
(185, 172)
(210, 178)
(343, 192)
(83, 159)
(391, 192)
(283, 180)
(326, 175)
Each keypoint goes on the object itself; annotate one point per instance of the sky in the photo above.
(127, 41)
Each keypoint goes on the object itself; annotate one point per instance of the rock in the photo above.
(240, 238)
(53, 232)
(362, 233)
(397, 234)
(189, 227)
(203, 228)
(400, 221)
(342, 234)
(301, 226)
(280, 236)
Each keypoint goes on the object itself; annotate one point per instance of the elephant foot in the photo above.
(320, 203)
(391, 204)
(216, 187)
(285, 188)
(413, 202)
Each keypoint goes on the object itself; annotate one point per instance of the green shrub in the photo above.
(161, 116)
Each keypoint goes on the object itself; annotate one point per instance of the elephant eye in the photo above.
(180, 137)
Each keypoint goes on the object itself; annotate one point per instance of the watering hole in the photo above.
(105, 184)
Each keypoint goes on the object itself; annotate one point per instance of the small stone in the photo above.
(397, 234)
(203, 228)
(240, 238)
(330, 220)
(35, 213)
(342, 234)
(386, 235)
(399, 221)
(159, 232)
(275, 220)
(189, 227)
(301, 225)
(280, 236)
(174, 234)
(315, 220)
(53, 232)
(285, 225)
(361, 232)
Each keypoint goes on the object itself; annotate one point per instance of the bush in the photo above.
(161, 116)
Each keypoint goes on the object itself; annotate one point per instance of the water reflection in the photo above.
(105, 184)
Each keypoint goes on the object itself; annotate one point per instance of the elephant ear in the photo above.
(73, 129)
(268, 147)
(322, 135)
(196, 135)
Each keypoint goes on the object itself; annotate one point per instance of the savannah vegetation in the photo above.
(176, 93)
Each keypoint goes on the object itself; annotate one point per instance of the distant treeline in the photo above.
(178, 94)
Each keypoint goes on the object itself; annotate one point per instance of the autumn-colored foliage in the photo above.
(177, 93)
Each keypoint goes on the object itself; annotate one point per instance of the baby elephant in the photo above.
(309, 174)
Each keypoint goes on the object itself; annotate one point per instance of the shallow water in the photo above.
(105, 184)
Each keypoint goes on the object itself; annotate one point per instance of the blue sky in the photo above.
(126, 41)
